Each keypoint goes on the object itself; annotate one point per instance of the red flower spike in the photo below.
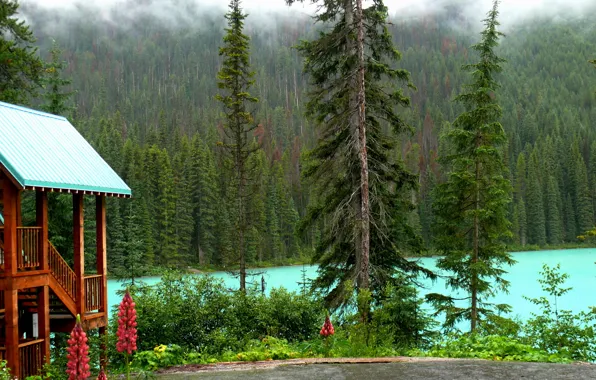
(102, 375)
(78, 353)
(127, 325)
(327, 328)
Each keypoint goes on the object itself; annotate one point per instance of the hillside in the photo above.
(145, 99)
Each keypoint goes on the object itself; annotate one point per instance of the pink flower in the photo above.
(78, 353)
(127, 325)
(102, 375)
(327, 328)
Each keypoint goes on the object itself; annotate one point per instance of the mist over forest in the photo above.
(145, 79)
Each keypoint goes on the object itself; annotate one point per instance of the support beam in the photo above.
(43, 321)
(11, 304)
(10, 227)
(102, 268)
(41, 213)
(79, 249)
(11, 297)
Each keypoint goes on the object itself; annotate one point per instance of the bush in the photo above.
(560, 331)
(199, 314)
(490, 347)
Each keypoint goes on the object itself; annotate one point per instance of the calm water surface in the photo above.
(523, 276)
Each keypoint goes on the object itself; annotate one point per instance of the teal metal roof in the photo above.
(45, 150)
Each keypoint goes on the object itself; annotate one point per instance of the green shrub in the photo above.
(490, 347)
(560, 331)
(199, 314)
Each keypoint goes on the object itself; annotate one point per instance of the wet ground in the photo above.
(410, 370)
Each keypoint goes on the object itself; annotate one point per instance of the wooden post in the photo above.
(41, 203)
(19, 224)
(79, 249)
(11, 297)
(11, 304)
(43, 297)
(10, 227)
(43, 321)
(102, 268)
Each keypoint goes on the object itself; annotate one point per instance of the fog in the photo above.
(266, 12)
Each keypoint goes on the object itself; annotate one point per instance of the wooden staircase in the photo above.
(62, 282)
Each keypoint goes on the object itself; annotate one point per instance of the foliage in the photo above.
(4, 371)
(554, 330)
(21, 73)
(57, 98)
(471, 206)
(199, 313)
(234, 80)
(332, 168)
(402, 317)
(491, 347)
(163, 356)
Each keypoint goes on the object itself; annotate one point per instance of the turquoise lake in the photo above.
(523, 276)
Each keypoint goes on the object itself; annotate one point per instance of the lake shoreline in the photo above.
(433, 255)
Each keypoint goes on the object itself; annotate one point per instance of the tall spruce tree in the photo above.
(354, 92)
(471, 206)
(235, 79)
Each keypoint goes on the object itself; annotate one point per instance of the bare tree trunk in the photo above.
(475, 249)
(363, 154)
(241, 207)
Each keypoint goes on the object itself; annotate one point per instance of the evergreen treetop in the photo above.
(472, 205)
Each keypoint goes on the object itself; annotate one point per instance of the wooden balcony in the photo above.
(29, 246)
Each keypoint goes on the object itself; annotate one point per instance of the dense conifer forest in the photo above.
(144, 96)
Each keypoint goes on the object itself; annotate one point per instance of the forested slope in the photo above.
(145, 99)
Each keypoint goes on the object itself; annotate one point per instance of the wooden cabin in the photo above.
(39, 291)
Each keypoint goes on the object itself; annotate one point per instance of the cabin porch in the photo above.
(39, 291)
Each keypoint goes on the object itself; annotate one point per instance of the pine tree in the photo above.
(553, 216)
(21, 70)
(570, 222)
(57, 98)
(535, 204)
(584, 213)
(471, 206)
(353, 146)
(235, 79)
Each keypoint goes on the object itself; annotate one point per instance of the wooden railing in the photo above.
(28, 244)
(93, 292)
(31, 358)
(62, 272)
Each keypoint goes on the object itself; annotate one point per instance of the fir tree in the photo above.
(235, 79)
(583, 201)
(553, 215)
(353, 146)
(535, 204)
(57, 98)
(471, 206)
(21, 70)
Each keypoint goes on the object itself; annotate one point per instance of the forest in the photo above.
(144, 96)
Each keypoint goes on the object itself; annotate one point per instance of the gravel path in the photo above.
(398, 368)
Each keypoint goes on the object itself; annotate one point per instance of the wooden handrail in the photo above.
(62, 272)
(30, 342)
